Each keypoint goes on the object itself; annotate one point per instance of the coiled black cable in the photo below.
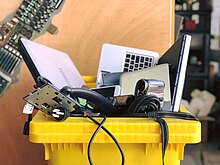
(100, 125)
(144, 104)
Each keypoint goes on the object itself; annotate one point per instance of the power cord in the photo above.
(100, 125)
(92, 138)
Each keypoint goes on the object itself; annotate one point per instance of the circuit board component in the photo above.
(32, 19)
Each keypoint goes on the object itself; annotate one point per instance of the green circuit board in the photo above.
(32, 19)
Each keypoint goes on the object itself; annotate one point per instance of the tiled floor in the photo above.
(202, 154)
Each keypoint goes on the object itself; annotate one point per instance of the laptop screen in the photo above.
(52, 64)
(177, 57)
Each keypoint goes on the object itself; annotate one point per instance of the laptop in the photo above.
(177, 57)
(116, 59)
(52, 64)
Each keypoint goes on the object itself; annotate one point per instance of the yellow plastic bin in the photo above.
(66, 142)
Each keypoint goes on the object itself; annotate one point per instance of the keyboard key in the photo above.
(128, 55)
(132, 57)
(126, 64)
(146, 64)
(125, 69)
(127, 60)
(142, 59)
(137, 59)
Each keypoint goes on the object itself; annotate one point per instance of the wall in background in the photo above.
(215, 25)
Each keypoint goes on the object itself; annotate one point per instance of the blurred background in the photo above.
(201, 96)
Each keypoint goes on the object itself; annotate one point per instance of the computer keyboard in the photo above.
(116, 59)
(137, 61)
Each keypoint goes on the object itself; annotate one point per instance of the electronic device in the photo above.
(52, 64)
(177, 57)
(59, 103)
(147, 97)
(150, 87)
(47, 98)
(107, 79)
(128, 80)
(109, 91)
(32, 19)
(115, 58)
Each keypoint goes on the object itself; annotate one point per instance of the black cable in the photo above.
(150, 105)
(164, 136)
(105, 107)
(27, 125)
(144, 104)
(109, 133)
(92, 138)
(163, 114)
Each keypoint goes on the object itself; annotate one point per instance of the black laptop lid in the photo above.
(177, 57)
